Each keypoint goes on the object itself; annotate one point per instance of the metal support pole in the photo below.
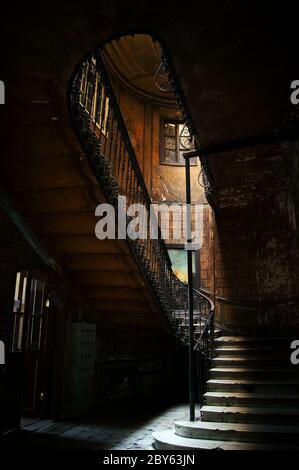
(190, 289)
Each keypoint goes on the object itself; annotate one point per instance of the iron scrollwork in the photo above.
(162, 80)
(186, 139)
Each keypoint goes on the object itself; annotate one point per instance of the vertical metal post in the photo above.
(190, 289)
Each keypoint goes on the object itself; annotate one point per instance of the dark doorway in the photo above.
(30, 339)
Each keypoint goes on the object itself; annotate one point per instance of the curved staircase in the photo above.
(251, 403)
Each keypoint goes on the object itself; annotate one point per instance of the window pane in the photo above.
(170, 143)
(17, 289)
(36, 297)
(24, 294)
(18, 333)
(35, 332)
(36, 312)
(19, 310)
(176, 142)
(181, 157)
(39, 298)
(170, 156)
(20, 292)
(170, 129)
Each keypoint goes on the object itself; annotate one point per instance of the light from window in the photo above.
(173, 147)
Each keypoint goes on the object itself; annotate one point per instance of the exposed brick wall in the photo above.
(256, 264)
(206, 253)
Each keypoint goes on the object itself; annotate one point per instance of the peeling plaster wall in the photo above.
(277, 249)
(206, 253)
(278, 255)
(256, 261)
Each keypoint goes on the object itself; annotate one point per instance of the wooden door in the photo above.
(29, 338)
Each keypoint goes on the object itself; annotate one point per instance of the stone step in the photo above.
(251, 414)
(259, 362)
(252, 341)
(259, 351)
(251, 372)
(261, 433)
(248, 399)
(168, 440)
(242, 385)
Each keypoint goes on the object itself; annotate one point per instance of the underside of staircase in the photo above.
(251, 403)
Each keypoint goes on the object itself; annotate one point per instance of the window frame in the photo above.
(169, 120)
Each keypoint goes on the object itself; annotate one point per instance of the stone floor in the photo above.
(120, 429)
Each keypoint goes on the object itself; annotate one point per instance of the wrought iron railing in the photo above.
(104, 138)
(204, 350)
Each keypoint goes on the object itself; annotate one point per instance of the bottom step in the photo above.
(250, 414)
(256, 433)
(168, 440)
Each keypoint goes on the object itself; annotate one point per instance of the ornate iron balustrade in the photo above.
(104, 138)
(204, 349)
